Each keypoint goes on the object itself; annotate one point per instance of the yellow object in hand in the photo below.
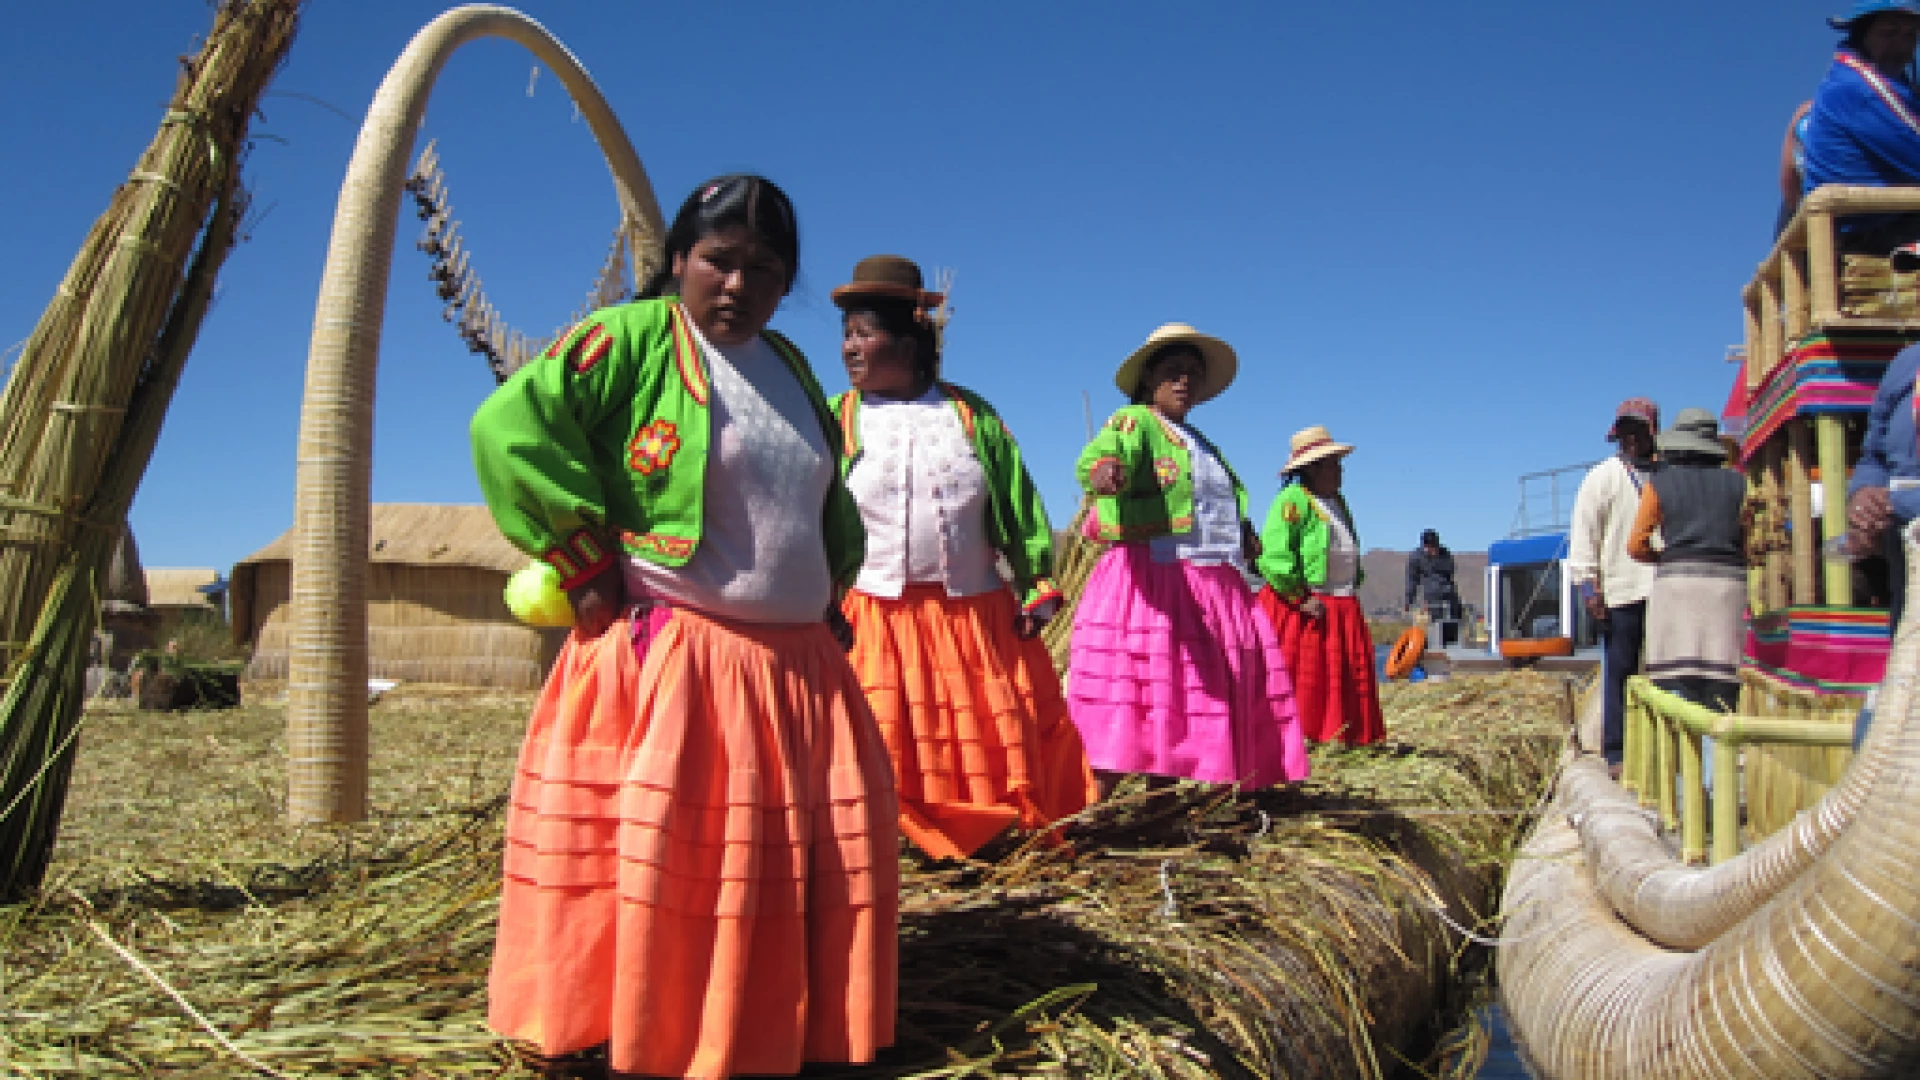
(535, 597)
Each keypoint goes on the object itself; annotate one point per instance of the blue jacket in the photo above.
(1890, 449)
(1856, 136)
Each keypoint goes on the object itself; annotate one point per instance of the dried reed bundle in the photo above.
(1189, 934)
(84, 407)
(1072, 565)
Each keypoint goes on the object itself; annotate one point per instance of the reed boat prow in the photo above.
(1654, 928)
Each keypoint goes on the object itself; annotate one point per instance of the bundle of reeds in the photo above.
(1192, 933)
(84, 406)
(1072, 565)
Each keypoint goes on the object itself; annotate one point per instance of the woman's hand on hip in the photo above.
(1107, 478)
(597, 601)
(840, 628)
(1028, 624)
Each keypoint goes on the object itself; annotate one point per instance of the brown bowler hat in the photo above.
(887, 277)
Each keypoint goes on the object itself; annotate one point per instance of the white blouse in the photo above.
(1215, 537)
(762, 556)
(923, 498)
(1343, 554)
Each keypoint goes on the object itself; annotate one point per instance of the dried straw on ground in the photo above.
(435, 613)
(84, 406)
(1798, 958)
(1188, 935)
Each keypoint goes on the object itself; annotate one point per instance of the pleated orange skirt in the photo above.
(972, 715)
(701, 858)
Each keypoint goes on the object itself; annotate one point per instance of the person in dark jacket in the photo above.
(1430, 579)
(1696, 612)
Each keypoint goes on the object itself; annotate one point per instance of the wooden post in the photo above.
(1779, 570)
(1772, 334)
(1693, 810)
(1758, 532)
(1832, 438)
(1756, 358)
(1805, 557)
(1726, 799)
(1823, 272)
(1793, 291)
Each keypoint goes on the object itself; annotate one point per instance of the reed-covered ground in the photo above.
(187, 931)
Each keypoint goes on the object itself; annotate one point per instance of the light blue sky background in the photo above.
(1454, 233)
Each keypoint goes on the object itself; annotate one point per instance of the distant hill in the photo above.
(1385, 589)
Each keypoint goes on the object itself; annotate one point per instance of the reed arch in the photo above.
(327, 661)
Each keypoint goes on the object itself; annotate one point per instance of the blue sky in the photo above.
(1455, 234)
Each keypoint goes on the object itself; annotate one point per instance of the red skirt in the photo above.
(1331, 659)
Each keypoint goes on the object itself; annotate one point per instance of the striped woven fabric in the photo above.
(1824, 650)
(1821, 375)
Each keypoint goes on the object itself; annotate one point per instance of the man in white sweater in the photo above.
(1613, 586)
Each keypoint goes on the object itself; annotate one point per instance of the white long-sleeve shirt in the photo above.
(1597, 546)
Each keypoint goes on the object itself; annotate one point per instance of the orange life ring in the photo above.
(1407, 651)
(1534, 648)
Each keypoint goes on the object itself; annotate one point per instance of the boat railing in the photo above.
(1797, 288)
(1664, 763)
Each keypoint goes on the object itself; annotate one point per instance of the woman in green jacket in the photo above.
(701, 868)
(1310, 558)
(1174, 673)
(964, 691)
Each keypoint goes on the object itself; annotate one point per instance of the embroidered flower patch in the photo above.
(653, 447)
(1167, 471)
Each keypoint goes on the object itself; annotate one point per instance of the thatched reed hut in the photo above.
(434, 610)
(177, 592)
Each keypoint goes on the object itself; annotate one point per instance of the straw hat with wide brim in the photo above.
(887, 277)
(1311, 445)
(1222, 364)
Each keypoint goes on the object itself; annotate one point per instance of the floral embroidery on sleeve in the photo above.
(1166, 470)
(653, 447)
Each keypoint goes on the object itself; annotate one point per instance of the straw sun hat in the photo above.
(1218, 356)
(1311, 445)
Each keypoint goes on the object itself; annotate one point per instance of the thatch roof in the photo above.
(179, 586)
(421, 534)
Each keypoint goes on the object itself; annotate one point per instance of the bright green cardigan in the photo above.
(1293, 546)
(1157, 498)
(606, 435)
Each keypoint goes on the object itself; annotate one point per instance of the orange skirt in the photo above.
(972, 716)
(701, 858)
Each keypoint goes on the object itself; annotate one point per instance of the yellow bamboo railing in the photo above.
(1663, 762)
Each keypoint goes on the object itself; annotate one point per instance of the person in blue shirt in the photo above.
(1865, 125)
(1884, 494)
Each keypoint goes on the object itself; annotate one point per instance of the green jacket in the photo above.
(605, 435)
(1157, 498)
(1016, 518)
(1293, 546)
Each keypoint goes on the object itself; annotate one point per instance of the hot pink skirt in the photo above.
(1176, 673)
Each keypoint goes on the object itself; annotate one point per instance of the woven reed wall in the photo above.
(1781, 781)
(435, 624)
